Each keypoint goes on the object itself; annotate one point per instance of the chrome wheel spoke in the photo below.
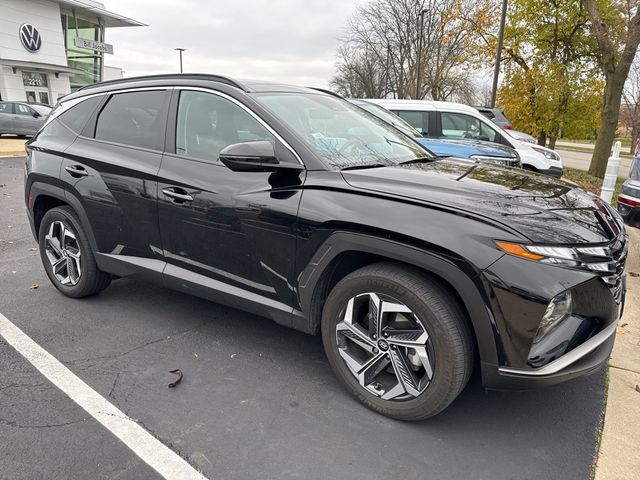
(410, 338)
(374, 315)
(404, 373)
(356, 334)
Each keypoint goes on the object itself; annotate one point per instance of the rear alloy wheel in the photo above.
(67, 255)
(399, 341)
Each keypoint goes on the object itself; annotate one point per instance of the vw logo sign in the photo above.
(30, 37)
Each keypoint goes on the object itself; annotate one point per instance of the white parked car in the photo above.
(456, 120)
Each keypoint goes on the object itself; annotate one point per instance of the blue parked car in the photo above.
(447, 147)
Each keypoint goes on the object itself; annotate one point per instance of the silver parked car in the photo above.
(21, 118)
(629, 199)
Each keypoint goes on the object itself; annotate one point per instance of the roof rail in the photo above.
(169, 76)
(327, 91)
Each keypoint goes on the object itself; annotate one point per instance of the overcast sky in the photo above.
(293, 41)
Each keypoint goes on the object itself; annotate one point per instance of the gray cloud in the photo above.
(284, 40)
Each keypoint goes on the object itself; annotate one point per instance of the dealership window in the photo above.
(135, 119)
(89, 61)
(36, 87)
(207, 123)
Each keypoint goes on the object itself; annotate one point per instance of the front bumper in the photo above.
(519, 291)
(583, 360)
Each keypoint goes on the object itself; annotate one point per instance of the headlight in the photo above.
(597, 259)
(548, 154)
(557, 310)
(508, 161)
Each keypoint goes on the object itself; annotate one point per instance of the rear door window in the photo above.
(6, 108)
(460, 125)
(136, 118)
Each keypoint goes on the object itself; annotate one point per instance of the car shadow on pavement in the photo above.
(253, 389)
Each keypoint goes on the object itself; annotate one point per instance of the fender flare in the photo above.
(40, 188)
(340, 242)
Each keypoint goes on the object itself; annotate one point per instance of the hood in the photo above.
(465, 148)
(541, 208)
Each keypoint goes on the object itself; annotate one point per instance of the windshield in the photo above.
(41, 109)
(390, 117)
(341, 133)
(634, 174)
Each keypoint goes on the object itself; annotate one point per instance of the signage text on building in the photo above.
(93, 45)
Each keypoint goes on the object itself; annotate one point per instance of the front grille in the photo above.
(608, 262)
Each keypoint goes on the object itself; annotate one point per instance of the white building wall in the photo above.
(43, 15)
(112, 73)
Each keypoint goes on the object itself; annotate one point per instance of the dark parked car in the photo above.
(447, 147)
(629, 198)
(296, 205)
(21, 118)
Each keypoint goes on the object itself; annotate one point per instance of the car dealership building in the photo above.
(50, 48)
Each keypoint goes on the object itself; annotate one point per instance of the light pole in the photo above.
(496, 68)
(180, 50)
(420, 37)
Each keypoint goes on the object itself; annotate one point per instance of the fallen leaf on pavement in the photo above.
(33, 249)
(624, 325)
(638, 388)
(233, 355)
(178, 372)
(619, 331)
(34, 286)
(634, 274)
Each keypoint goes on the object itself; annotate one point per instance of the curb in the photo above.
(619, 457)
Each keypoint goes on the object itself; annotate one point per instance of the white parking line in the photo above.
(157, 455)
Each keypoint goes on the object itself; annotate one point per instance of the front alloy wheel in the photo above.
(398, 340)
(385, 347)
(63, 253)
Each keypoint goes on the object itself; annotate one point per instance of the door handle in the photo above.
(76, 171)
(178, 194)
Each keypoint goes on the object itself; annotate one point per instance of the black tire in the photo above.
(91, 280)
(440, 313)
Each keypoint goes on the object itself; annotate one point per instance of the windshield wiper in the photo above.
(418, 160)
(365, 165)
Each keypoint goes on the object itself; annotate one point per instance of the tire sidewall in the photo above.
(437, 393)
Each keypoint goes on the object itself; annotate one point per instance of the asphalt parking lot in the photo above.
(257, 400)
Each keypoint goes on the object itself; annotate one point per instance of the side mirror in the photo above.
(257, 156)
(35, 114)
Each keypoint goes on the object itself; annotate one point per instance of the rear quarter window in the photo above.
(135, 118)
(76, 117)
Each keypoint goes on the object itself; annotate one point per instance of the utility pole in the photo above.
(180, 50)
(418, 65)
(496, 68)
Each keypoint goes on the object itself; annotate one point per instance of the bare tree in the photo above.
(382, 39)
(630, 111)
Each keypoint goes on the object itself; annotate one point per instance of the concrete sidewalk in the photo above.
(12, 147)
(619, 456)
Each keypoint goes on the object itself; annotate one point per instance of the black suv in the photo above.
(294, 204)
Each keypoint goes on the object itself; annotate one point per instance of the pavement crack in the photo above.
(127, 352)
(625, 369)
(15, 424)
